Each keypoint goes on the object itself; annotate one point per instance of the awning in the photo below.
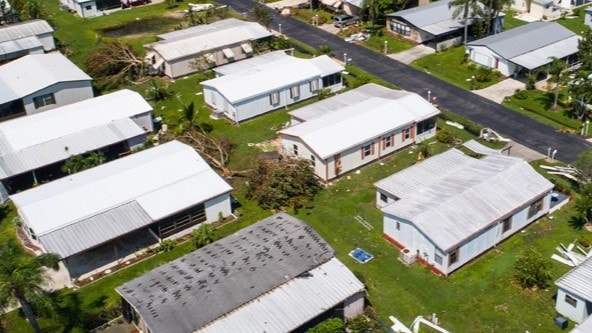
(247, 48)
(228, 53)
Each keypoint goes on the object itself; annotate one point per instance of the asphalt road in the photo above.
(519, 128)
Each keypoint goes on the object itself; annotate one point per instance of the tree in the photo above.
(114, 63)
(22, 279)
(532, 270)
(158, 91)
(585, 51)
(423, 151)
(29, 9)
(583, 206)
(584, 165)
(466, 9)
(278, 184)
(203, 235)
(331, 325)
(491, 12)
(376, 8)
(556, 70)
(81, 162)
(214, 149)
(262, 16)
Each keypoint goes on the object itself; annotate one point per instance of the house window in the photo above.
(426, 125)
(400, 28)
(535, 208)
(295, 150)
(571, 301)
(398, 225)
(313, 85)
(406, 133)
(88, 7)
(367, 150)
(295, 92)
(384, 198)
(452, 257)
(438, 259)
(313, 161)
(41, 101)
(387, 141)
(331, 80)
(507, 224)
(274, 98)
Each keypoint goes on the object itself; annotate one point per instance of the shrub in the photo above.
(332, 325)
(484, 74)
(520, 94)
(167, 245)
(444, 136)
(531, 81)
(532, 270)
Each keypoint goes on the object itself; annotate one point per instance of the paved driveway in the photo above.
(519, 128)
(499, 91)
(414, 53)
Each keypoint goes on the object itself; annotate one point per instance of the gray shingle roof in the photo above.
(451, 196)
(578, 280)
(196, 289)
(524, 39)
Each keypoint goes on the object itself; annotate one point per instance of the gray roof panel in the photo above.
(578, 280)
(24, 29)
(95, 230)
(194, 290)
(426, 15)
(524, 39)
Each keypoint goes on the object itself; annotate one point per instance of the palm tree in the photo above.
(22, 278)
(492, 11)
(466, 8)
(203, 235)
(556, 69)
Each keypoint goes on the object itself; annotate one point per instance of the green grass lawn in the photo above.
(450, 66)
(510, 20)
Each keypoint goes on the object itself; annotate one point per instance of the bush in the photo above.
(532, 270)
(444, 136)
(484, 74)
(531, 82)
(520, 94)
(167, 245)
(332, 325)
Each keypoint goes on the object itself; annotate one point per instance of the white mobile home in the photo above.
(450, 208)
(277, 275)
(574, 294)
(20, 39)
(525, 48)
(187, 51)
(41, 82)
(155, 193)
(358, 127)
(258, 87)
(34, 147)
(91, 8)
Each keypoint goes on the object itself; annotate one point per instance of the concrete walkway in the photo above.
(499, 91)
(414, 53)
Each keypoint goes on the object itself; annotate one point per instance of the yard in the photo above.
(480, 297)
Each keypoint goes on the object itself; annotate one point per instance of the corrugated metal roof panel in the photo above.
(264, 78)
(226, 274)
(543, 56)
(24, 29)
(13, 46)
(95, 230)
(578, 280)
(525, 39)
(162, 180)
(34, 72)
(348, 98)
(457, 204)
(54, 150)
(426, 15)
(362, 121)
(292, 304)
(192, 41)
(250, 63)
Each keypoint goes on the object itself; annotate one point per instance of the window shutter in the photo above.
(372, 148)
(392, 140)
(383, 143)
(362, 151)
(412, 132)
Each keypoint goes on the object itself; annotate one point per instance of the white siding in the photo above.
(576, 313)
(389, 199)
(413, 239)
(87, 9)
(144, 120)
(47, 41)
(485, 57)
(64, 92)
(353, 306)
(183, 66)
(304, 152)
(217, 205)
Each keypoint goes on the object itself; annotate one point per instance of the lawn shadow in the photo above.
(577, 222)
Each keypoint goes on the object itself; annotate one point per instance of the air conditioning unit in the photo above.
(407, 256)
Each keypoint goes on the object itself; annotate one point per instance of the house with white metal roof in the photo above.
(256, 87)
(32, 148)
(156, 193)
(187, 51)
(20, 39)
(545, 9)
(574, 294)
(277, 275)
(360, 126)
(450, 208)
(91, 8)
(525, 48)
(41, 82)
(432, 22)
